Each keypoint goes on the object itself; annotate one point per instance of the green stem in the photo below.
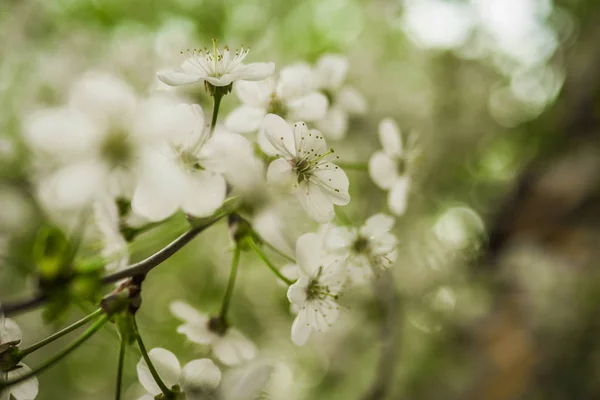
(56, 358)
(163, 388)
(232, 275)
(28, 350)
(352, 166)
(120, 369)
(217, 102)
(263, 257)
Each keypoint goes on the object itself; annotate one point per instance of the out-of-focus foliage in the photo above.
(480, 83)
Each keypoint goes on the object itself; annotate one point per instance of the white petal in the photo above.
(311, 107)
(377, 226)
(200, 375)
(308, 253)
(74, 186)
(295, 80)
(383, 170)
(246, 383)
(340, 239)
(317, 202)
(296, 293)
(384, 244)
(160, 190)
(197, 332)
(255, 94)
(300, 329)
(233, 348)
(334, 181)
(281, 174)
(331, 71)
(255, 71)
(389, 136)
(309, 143)
(398, 196)
(280, 135)
(264, 144)
(323, 316)
(204, 193)
(351, 100)
(27, 390)
(164, 118)
(62, 132)
(245, 119)
(187, 313)
(335, 124)
(108, 99)
(9, 331)
(177, 78)
(166, 365)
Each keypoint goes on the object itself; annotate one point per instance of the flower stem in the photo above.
(217, 102)
(276, 250)
(163, 388)
(250, 242)
(122, 348)
(232, 275)
(352, 165)
(28, 350)
(56, 358)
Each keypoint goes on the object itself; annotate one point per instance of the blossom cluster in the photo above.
(135, 161)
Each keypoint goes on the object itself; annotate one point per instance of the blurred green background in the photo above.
(503, 97)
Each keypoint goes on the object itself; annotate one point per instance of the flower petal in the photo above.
(281, 174)
(233, 348)
(159, 190)
(26, 390)
(295, 80)
(198, 376)
(280, 135)
(308, 253)
(296, 293)
(247, 382)
(377, 226)
(351, 100)
(197, 332)
(166, 365)
(255, 71)
(178, 78)
(383, 170)
(9, 331)
(335, 124)
(255, 94)
(300, 328)
(204, 193)
(331, 71)
(398, 196)
(311, 107)
(334, 181)
(245, 119)
(340, 239)
(389, 136)
(316, 201)
(187, 313)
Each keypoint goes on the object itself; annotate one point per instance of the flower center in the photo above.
(188, 159)
(361, 245)
(217, 325)
(277, 107)
(401, 166)
(303, 168)
(316, 291)
(329, 95)
(117, 149)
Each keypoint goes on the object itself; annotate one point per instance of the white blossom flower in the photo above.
(230, 347)
(389, 168)
(89, 148)
(291, 97)
(304, 166)
(10, 335)
(316, 291)
(368, 248)
(114, 246)
(181, 174)
(197, 379)
(219, 68)
(329, 76)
